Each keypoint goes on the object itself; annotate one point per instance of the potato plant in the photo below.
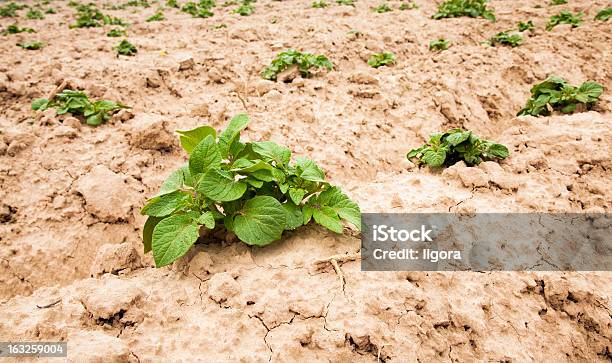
(15, 29)
(79, 105)
(470, 8)
(158, 16)
(304, 61)
(34, 45)
(565, 17)
(10, 10)
(452, 146)
(604, 14)
(34, 14)
(382, 8)
(438, 45)
(555, 94)
(116, 32)
(319, 4)
(505, 38)
(245, 9)
(524, 26)
(408, 6)
(252, 190)
(126, 48)
(346, 2)
(199, 10)
(381, 59)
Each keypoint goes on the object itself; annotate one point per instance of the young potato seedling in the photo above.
(381, 59)
(88, 16)
(173, 4)
(31, 45)
(558, 2)
(116, 32)
(15, 29)
(524, 26)
(245, 9)
(505, 38)
(159, 16)
(252, 190)
(304, 61)
(471, 8)
(382, 8)
(438, 45)
(408, 6)
(197, 11)
(555, 94)
(34, 14)
(50, 11)
(320, 4)
(346, 2)
(604, 14)
(78, 104)
(565, 17)
(126, 48)
(454, 145)
(10, 10)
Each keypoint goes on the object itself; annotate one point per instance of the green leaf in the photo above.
(232, 134)
(40, 104)
(434, 157)
(457, 138)
(341, 204)
(220, 186)
(261, 221)
(272, 152)
(294, 216)
(296, 195)
(207, 220)
(328, 218)
(147, 232)
(164, 205)
(172, 238)
(191, 138)
(174, 182)
(498, 150)
(308, 170)
(204, 156)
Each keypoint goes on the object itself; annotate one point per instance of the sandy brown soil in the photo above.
(70, 197)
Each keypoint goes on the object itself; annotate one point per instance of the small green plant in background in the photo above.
(173, 4)
(88, 16)
(15, 29)
(202, 10)
(381, 59)
(524, 26)
(126, 48)
(346, 2)
(245, 9)
(219, 26)
(505, 38)
(304, 61)
(252, 190)
(34, 14)
(382, 8)
(446, 149)
(565, 17)
(10, 10)
(555, 94)
(408, 6)
(78, 104)
(604, 14)
(35, 45)
(158, 16)
(471, 8)
(558, 2)
(116, 33)
(319, 4)
(229, 3)
(50, 11)
(438, 45)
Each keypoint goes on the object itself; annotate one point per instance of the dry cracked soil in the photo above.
(71, 261)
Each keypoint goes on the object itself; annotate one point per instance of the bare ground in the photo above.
(71, 262)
